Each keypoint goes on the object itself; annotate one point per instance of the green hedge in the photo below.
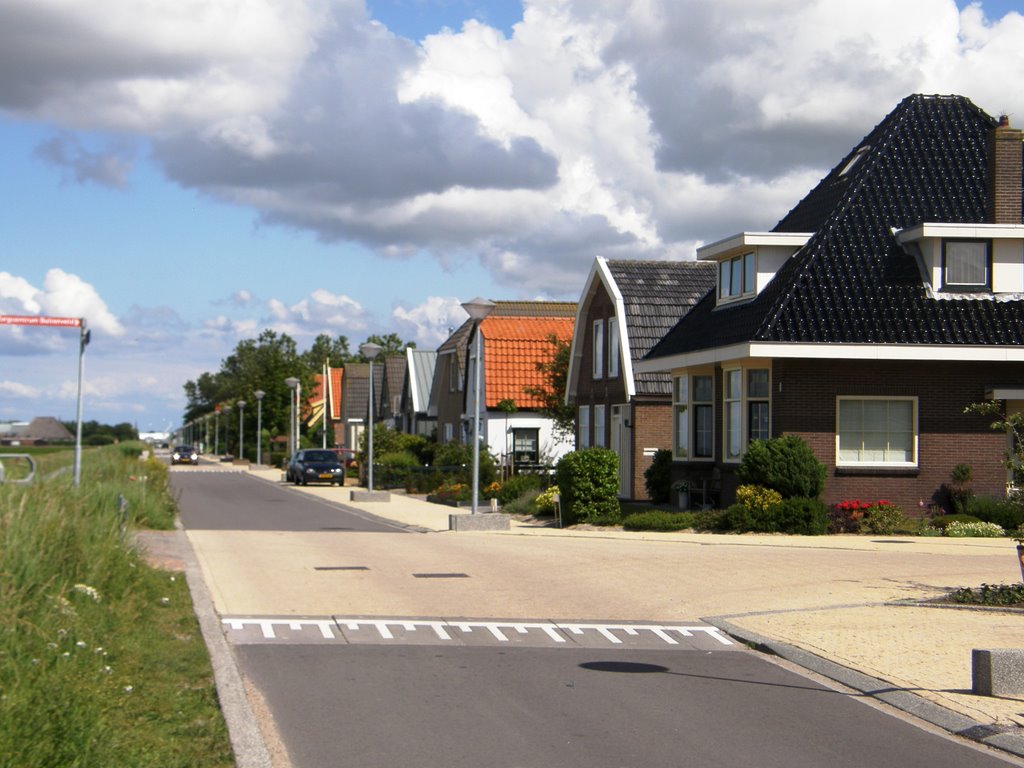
(588, 482)
(786, 464)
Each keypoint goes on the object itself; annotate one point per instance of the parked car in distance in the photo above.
(184, 454)
(315, 466)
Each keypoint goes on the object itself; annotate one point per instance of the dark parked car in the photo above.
(315, 466)
(184, 454)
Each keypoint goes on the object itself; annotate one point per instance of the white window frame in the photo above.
(752, 399)
(599, 427)
(598, 349)
(954, 285)
(915, 436)
(681, 417)
(613, 347)
(737, 277)
(732, 409)
(583, 427)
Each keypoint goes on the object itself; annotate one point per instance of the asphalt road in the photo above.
(341, 695)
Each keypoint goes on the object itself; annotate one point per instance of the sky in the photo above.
(185, 175)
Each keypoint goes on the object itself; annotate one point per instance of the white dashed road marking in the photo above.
(247, 630)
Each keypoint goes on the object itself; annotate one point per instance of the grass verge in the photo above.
(101, 659)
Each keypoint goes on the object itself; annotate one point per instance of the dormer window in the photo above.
(737, 277)
(748, 261)
(966, 265)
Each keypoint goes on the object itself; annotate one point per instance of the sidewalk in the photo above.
(908, 652)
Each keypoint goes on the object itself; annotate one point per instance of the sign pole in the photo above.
(83, 341)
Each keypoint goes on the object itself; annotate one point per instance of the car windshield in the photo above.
(183, 449)
(320, 456)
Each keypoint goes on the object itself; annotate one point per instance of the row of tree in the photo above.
(94, 433)
(263, 364)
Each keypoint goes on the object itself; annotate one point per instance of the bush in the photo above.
(455, 460)
(516, 486)
(756, 498)
(658, 477)
(588, 482)
(990, 594)
(546, 501)
(941, 521)
(795, 515)
(1006, 513)
(785, 464)
(659, 520)
(524, 504)
(974, 530)
(393, 470)
(882, 518)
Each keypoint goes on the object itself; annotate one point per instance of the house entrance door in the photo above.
(620, 443)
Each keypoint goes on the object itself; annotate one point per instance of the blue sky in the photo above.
(380, 162)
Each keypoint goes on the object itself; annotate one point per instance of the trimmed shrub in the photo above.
(523, 504)
(516, 486)
(588, 482)
(658, 477)
(659, 520)
(795, 515)
(786, 464)
(455, 460)
(1006, 513)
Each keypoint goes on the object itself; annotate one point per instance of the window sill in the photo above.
(878, 471)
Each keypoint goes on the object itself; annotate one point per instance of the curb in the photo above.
(243, 729)
(906, 701)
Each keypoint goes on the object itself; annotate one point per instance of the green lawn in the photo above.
(101, 659)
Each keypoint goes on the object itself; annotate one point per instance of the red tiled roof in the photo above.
(512, 348)
(317, 395)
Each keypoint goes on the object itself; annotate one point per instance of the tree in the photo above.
(390, 345)
(552, 392)
(335, 351)
(1012, 424)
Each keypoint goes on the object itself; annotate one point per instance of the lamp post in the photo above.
(259, 394)
(370, 351)
(292, 383)
(241, 429)
(216, 431)
(227, 430)
(477, 309)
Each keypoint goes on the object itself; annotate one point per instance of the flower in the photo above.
(91, 592)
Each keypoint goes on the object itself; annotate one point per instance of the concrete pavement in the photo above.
(881, 636)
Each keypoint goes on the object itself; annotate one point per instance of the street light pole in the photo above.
(478, 309)
(370, 351)
(292, 383)
(241, 429)
(216, 431)
(259, 395)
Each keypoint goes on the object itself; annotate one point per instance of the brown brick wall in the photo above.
(947, 437)
(1004, 159)
(652, 428)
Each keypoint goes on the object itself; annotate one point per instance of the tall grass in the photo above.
(101, 659)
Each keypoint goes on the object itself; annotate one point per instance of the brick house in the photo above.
(626, 307)
(887, 300)
(515, 338)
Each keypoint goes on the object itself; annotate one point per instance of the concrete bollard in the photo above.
(997, 671)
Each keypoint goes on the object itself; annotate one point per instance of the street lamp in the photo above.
(259, 395)
(216, 431)
(292, 383)
(241, 429)
(227, 429)
(370, 350)
(477, 309)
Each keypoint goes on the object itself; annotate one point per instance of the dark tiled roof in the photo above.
(356, 391)
(852, 282)
(656, 294)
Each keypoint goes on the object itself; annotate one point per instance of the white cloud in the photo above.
(19, 390)
(67, 295)
(431, 322)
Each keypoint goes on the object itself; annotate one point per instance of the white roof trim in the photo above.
(750, 239)
(921, 352)
(1004, 393)
(974, 231)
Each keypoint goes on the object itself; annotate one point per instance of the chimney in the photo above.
(1003, 174)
